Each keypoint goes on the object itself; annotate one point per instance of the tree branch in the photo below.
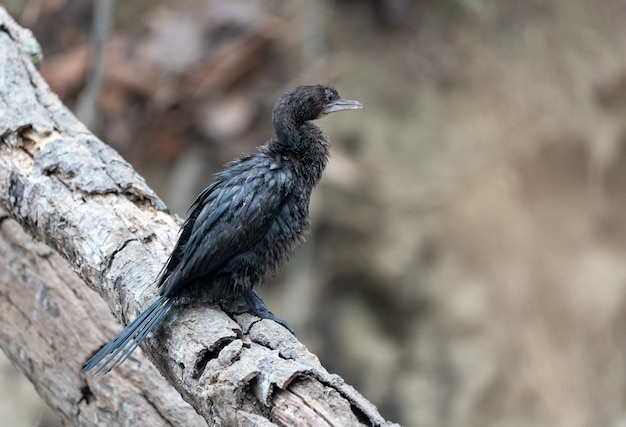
(78, 196)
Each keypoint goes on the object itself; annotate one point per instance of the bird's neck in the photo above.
(307, 146)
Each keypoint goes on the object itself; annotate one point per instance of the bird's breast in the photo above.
(285, 232)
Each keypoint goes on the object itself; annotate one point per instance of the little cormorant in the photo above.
(245, 224)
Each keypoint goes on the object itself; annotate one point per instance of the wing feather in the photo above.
(228, 217)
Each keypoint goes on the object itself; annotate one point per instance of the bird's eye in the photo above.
(329, 95)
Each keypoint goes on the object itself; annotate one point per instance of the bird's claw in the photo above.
(254, 304)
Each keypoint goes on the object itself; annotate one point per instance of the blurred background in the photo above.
(466, 265)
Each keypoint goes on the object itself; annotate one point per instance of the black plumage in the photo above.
(246, 223)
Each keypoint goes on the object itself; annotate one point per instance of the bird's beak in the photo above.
(342, 104)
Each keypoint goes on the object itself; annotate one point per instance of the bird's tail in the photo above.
(120, 347)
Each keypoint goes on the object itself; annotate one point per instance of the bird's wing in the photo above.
(228, 217)
(185, 231)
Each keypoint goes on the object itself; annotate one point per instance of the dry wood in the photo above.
(76, 197)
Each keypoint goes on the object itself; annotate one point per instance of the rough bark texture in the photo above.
(74, 193)
(49, 321)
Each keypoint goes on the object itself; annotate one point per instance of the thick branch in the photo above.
(68, 189)
(50, 319)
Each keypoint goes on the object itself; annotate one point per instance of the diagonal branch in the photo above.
(83, 201)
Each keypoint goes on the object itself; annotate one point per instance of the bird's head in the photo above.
(305, 103)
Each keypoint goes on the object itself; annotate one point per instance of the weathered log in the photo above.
(82, 207)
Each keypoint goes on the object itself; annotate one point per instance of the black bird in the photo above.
(245, 224)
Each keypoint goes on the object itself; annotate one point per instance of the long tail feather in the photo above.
(124, 343)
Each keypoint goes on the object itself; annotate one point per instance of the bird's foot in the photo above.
(254, 304)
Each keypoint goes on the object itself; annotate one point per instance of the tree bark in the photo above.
(72, 203)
